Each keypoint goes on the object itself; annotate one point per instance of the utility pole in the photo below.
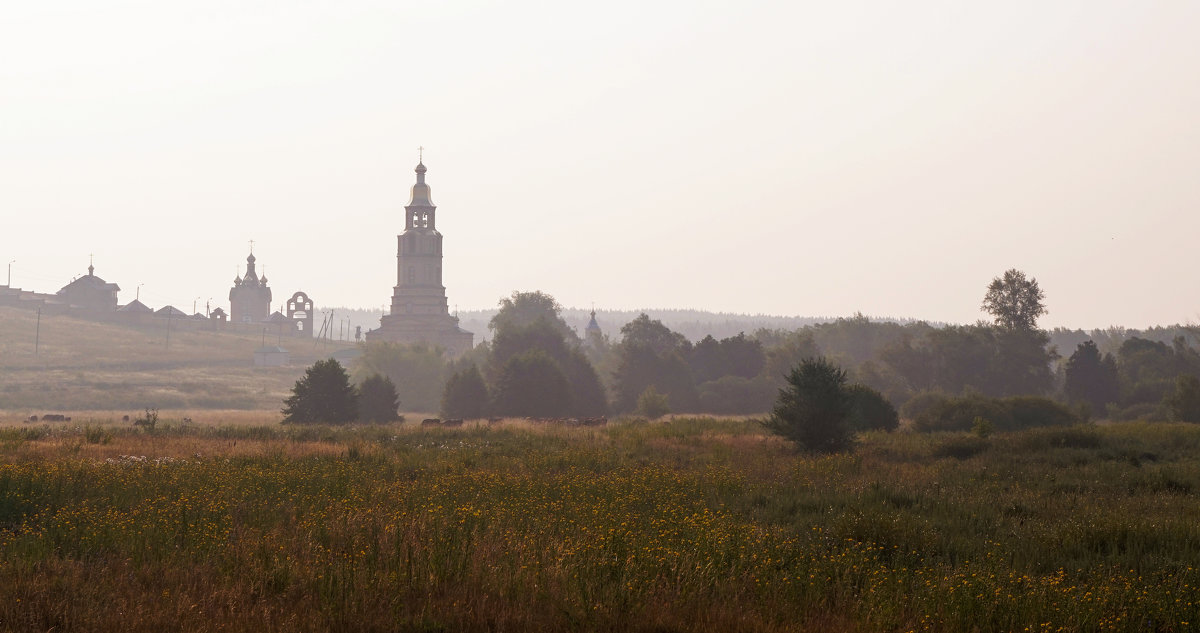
(170, 313)
(194, 304)
(37, 337)
(9, 284)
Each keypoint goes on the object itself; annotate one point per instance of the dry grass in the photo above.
(87, 365)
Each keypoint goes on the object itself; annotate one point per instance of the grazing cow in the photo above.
(33, 418)
(124, 418)
(55, 417)
(453, 422)
(431, 422)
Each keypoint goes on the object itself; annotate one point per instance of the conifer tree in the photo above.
(323, 395)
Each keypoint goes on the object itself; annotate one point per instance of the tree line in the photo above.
(537, 366)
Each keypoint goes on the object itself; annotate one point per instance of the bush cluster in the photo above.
(940, 412)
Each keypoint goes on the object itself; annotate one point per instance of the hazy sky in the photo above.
(787, 158)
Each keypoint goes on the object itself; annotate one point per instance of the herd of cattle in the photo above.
(51, 417)
(456, 422)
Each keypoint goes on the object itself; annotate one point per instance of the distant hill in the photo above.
(83, 364)
(694, 324)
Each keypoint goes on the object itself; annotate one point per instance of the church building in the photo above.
(419, 311)
(90, 293)
(250, 298)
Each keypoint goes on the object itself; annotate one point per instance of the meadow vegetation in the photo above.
(684, 524)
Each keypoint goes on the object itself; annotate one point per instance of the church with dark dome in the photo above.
(249, 298)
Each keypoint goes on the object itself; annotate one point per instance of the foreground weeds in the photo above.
(692, 524)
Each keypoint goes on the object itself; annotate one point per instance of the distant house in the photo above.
(271, 356)
(90, 293)
(171, 312)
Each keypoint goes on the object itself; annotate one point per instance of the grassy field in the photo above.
(81, 365)
(691, 524)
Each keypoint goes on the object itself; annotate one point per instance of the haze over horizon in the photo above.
(784, 159)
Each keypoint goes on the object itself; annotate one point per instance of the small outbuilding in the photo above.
(271, 356)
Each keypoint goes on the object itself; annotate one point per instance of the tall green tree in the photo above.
(466, 395)
(532, 384)
(650, 354)
(513, 339)
(377, 400)
(1091, 377)
(1015, 301)
(1147, 369)
(323, 395)
(813, 410)
(740, 356)
(1183, 404)
(525, 308)
(652, 333)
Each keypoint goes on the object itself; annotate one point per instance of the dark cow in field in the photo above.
(431, 422)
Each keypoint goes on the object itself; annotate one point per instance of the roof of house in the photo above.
(136, 307)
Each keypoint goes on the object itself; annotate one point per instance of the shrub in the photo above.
(96, 435)
(149, 420)
(917, 405)
(981, 427)
(653, 404)
(814, 408)
(958, 414)
(1034, 411)
(961, 447)
(1082, 436)
(1144, 411)
(870, 411)
(1001, 414)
